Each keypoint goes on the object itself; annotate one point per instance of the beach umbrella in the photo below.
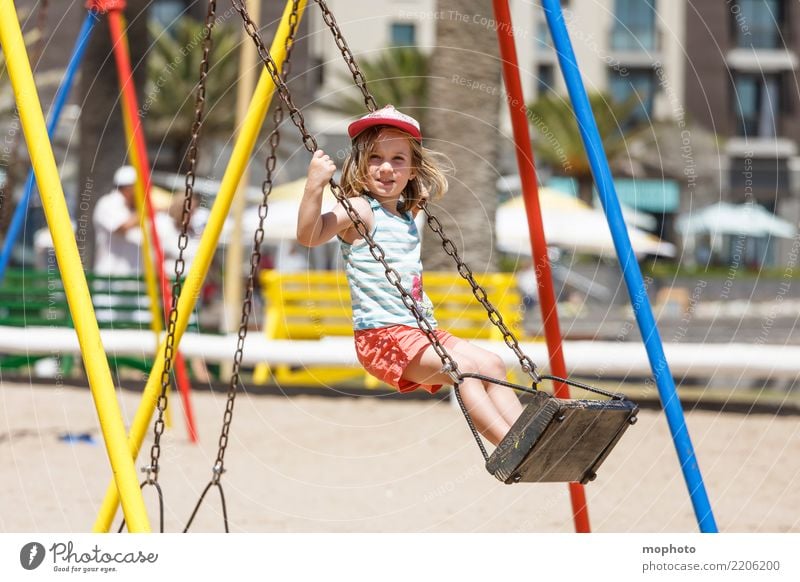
(284, 204)
(724, 218)
(569, 224)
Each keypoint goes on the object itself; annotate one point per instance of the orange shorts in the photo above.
(385, 352)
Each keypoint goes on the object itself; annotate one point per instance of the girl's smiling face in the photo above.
(389, 165)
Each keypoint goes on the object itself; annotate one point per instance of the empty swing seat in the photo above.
(557, 440)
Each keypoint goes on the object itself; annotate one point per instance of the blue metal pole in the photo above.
(18, 220)
(630, 268)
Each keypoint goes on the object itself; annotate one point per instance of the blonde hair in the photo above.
(425, 163)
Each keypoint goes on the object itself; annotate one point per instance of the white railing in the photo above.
(592, 359)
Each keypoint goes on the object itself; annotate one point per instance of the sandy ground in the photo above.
(313, 464)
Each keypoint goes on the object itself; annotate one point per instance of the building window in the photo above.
(403, 34)
(758, 23)
(634, 25)
(756, 103)
(543, 41)
(545, 79)
(639, 85)
(760, 179)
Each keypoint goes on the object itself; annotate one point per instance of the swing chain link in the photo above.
(311, 145)
(483, 298)
(183, 238)
(349, 59)
(251, 29)
(255, 256)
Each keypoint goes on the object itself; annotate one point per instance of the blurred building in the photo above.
(626, 49)
(369, 29)
(720, 75)
(741, 83)
(727, 67)
(623, 46)
(620, 44)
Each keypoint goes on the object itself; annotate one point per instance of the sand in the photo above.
(315, 464)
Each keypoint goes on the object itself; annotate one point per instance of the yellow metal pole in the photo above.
(69, 263)
(205, 253)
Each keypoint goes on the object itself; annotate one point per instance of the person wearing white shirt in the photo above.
(117, 228)
(169, 225)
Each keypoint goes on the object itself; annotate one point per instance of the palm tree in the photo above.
(172, 74)
(462, 123)
(397, 76)
(558, 141)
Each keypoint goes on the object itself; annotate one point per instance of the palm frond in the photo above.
(397, 76)
(173, 70)
(558, 139)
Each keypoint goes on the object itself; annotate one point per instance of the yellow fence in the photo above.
(315, 305)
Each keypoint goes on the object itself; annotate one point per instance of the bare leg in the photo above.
(506, 401)
(489, 364)
(488, 420)
(425, 369)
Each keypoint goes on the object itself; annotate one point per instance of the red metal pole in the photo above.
(530, 192)
(130, 104)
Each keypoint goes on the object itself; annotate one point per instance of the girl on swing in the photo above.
(386, 176)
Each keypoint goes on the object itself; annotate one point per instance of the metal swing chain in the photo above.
(480, 294)
(449, 365)
(151, 471)
(183, 239)
(338, 37)
(255, 260)
(519, 388)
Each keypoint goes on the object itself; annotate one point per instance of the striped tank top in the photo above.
(376, 302)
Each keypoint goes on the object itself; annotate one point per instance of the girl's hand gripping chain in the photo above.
(320, 171)
(310, 222)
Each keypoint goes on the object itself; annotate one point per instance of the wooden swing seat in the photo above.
(557, 440)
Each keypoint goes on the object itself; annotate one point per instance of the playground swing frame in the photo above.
(46, 174)
(582, 433)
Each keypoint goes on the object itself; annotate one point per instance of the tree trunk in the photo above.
(45, 56)
(586, 189)
(465, 95)
(103, 146)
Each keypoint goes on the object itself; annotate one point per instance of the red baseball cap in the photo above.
(386, 116)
